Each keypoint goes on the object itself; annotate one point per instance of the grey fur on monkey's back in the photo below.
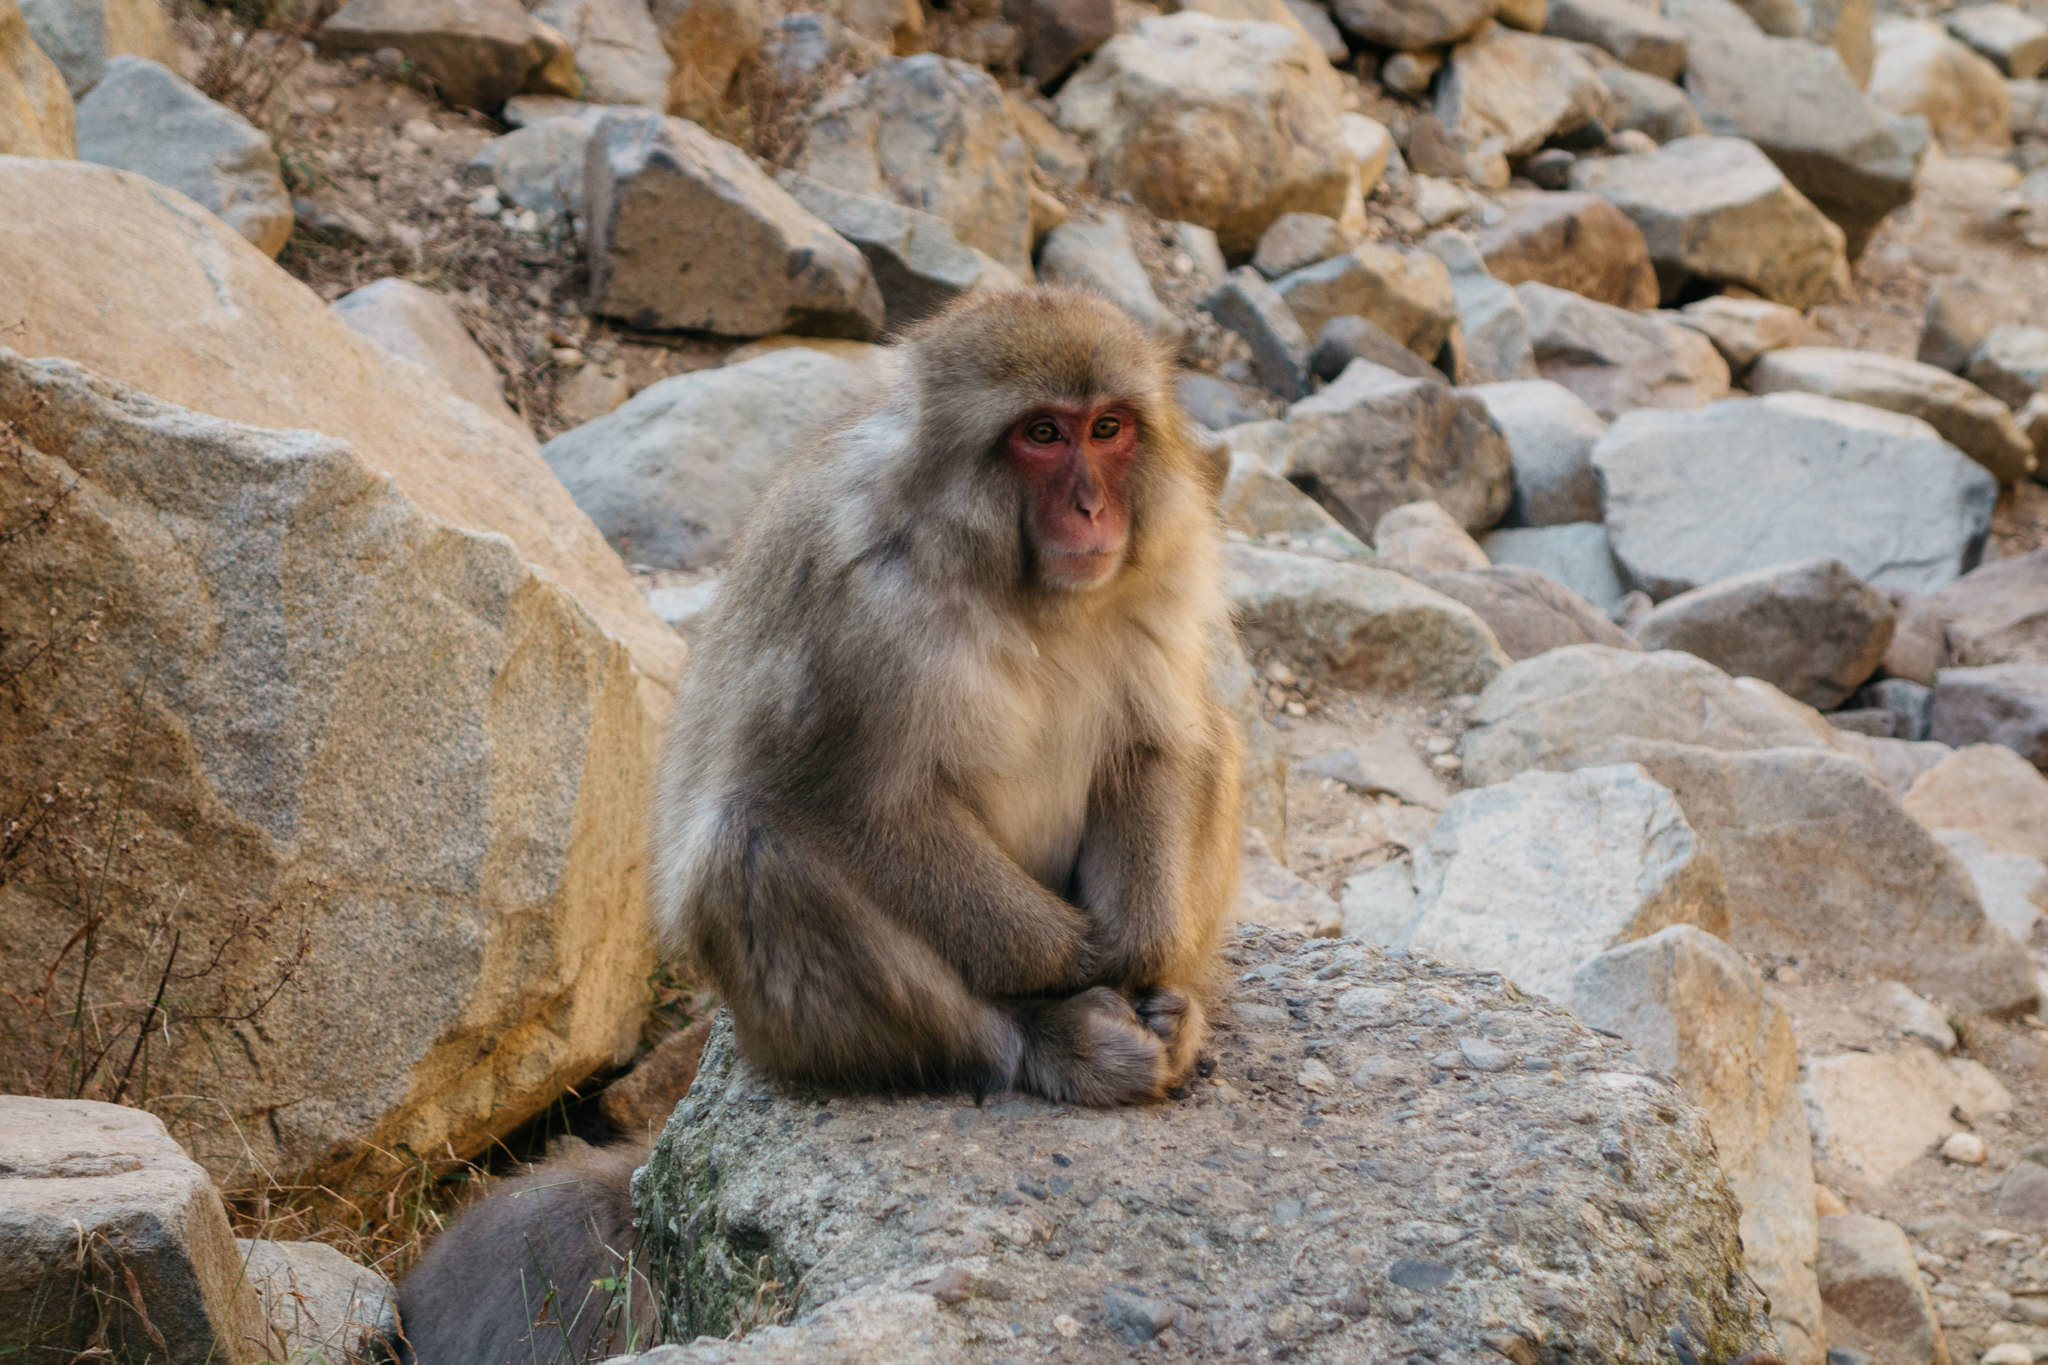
(543, 1271)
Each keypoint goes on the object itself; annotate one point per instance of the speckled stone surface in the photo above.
(1385, 1160)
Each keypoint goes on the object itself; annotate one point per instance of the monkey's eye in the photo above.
(1042, 433)
(1106, 428)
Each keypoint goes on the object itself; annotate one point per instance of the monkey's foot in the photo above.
(1180, 1025)
(1092, 1049)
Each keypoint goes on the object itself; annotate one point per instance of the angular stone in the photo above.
(477, 52)
(670, 476)
(111, 267)
(1146, 1157)
(1349, 337)
(2013, 40)
(1961, 311)
(82, 35)
(2013, 886)
(1811, 629)
(1873, 1291)
(452, 674)
(1921, 70)
(1694, 497)
(98, 1204)
(1225, 123)
(641, 1100)
(1908, 706)
(419, 325)
(1998, 612)
(1822, 863)
(1268, 894)
(709, 41)
(1098, 255)
(1370, 144)
(1574, 554)
(1421, 536)
(1533, 876)
(1797, 102)
(1492, 343)
(2012, 364)
(140, 117)
(1578, 242)
(686, 232)
(1382, 763)
(918, 264)
(1516, 90)
(1716, 209)
(1617, 361)
(1638, 102)
(1586, 704)
(1529, 612)
(1697, 1011)
(1265, 506)
(1375, 439)
(36, 114)
(934, 134)
(541, 166)
(1744, 329)
(1876, 1113)
(1248, 306)
(1995, 704)
(1635, 34)
(1407, 294)
(1299, 239)
(618, 49)
(1960, 412)
(1218, 404)
(1551, 433)
(320, 1303)
(1411, 25)
(1058, 33)
(1367, 628)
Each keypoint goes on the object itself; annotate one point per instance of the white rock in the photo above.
(1965, 1149)
(419, 325)
(1921, 70)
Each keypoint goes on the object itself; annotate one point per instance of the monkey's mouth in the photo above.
(1081, 568)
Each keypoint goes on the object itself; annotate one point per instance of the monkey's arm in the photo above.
(937, 870)
(1153, 876)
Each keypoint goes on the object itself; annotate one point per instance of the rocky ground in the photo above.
(1570, 363)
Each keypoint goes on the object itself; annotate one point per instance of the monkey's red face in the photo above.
(1074, 460)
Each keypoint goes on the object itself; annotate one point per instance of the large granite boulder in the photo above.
(1921, 70)
(1998, 612)
(933, 134)
(670, 475)
(1576, 242)
(1616, 360)
(1716, 209)
(1516, 90)
(478, 53)
(36, 114)
(1406, 294)
(1313, 1194)
(1220, 122)
(1551, 432)
(145, 118)
(140, 285)
(1694, 497)
(408, 793)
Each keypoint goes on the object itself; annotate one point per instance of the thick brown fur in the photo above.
(542, 1272)
(926, 819)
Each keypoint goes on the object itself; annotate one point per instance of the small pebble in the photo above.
(1483, 1055)
(1280, 673)
(1965, 1149)
(1066, 1326)
(1447, 763)
(321, 104)
(487, 205)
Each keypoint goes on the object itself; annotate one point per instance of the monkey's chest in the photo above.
(1031, 789)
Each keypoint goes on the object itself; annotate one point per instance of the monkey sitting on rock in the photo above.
(947, 799)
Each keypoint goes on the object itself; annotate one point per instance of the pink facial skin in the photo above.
(1074, 459)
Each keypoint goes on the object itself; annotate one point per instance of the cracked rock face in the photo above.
(1388, 1157)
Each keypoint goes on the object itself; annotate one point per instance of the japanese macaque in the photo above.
(947, 801)
(543, 1272)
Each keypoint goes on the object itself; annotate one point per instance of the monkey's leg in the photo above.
(1090, 1048)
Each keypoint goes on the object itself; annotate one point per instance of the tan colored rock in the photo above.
(1715, 208)
(1967, 417)
(639, 1102)
(1516, 90)
(1694, 1009)
(324, 1306)
(1406, 294)
(477, 52)
(1262, 772)
(707, 42)
(82, 35)
(416, 324)
(1223, 123)
(1528, 611)
(1267, 893)
(1578, 242)
(433, 809)
(617, 47)
(1989, 789)
(1998, 612)
(1921, 70)
(99, 1209)
(1744, 329)
(36, 116)
(1618, 361)
(1876, 1113)
(1369, 628)
(138, 284)
(1422, 535)
(1874, 1294)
